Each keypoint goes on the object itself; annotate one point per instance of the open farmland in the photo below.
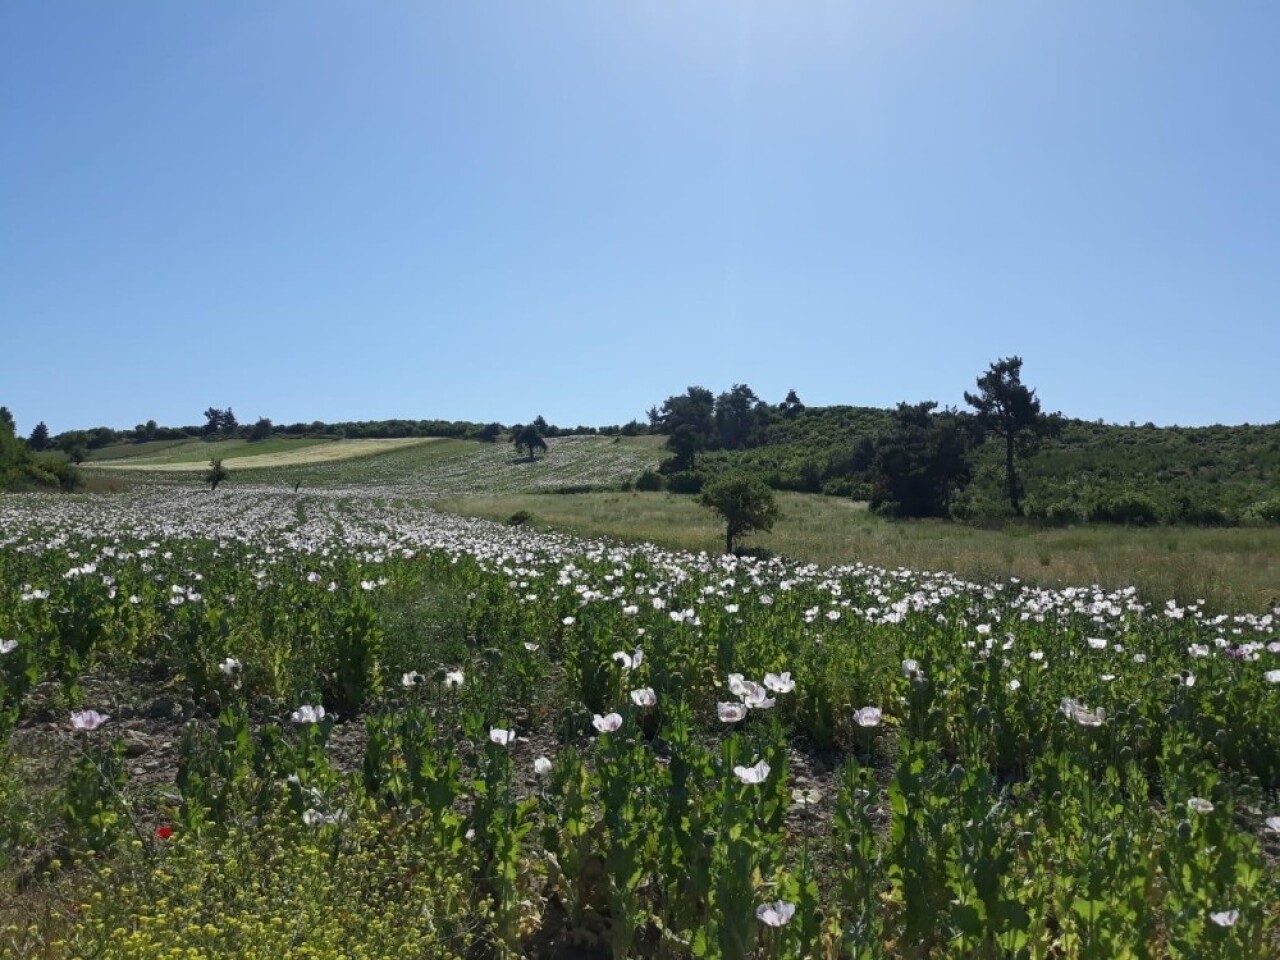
(430, 467)
(263, 455)
(337, 723)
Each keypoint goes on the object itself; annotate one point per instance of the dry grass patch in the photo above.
(311, 454)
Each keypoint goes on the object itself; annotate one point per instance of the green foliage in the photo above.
(528, 439)
(261, 429)
(979, 813)
(1007, 408)
(686, 481)
(39, 439)
(649, 481)
(21, 469)
(217, 473)
(745, 504)
(921, 464)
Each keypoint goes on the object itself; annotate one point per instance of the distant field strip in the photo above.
(326, 452)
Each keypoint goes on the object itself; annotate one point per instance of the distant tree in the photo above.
(528, 438)
(229, 423)
(745, 504)
(77, 452)
(791, 407)
(921, 463)
(694, 408)
(1007, 408)
(684, 444)
(39, 439)
(260, 430)
(489, 432)
(213, 422)
(739, 416)
(540, 425)
(217, 473)
(6, 418)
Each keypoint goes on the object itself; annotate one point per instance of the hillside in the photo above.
(419, 467)
(1089, 471)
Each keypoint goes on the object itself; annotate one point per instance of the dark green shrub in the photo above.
(685, 481)
(521, 518)
(1127, 508)
(1063, 513)
(649, 481)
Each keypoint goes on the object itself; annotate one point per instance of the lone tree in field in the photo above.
(217, 473)
(1008, 409)
(745, 503)
(528, 438)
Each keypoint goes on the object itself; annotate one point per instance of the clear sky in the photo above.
(485, 210)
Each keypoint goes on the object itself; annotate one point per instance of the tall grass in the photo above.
(1231, 569)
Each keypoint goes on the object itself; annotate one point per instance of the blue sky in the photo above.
(322, 210)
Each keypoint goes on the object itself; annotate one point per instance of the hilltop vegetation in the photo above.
(922, 460)
(23, 469)
(919, 460)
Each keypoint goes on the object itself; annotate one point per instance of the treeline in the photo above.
(1001, 457)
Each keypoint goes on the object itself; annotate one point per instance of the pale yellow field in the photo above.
(319, 453)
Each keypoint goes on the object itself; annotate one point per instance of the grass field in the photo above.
(1233, 569)
(263, 455)
(129, 451)
(467, 467)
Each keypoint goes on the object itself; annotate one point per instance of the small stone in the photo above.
(164, 708)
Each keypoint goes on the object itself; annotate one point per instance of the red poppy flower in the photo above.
(164, 833)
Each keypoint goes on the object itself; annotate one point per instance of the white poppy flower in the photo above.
(754, 696)
(1225, 918)
(644, 697)
(307, 714)
(88, 719)
(1089, 718)
(608, 723)
(779, 682)
(868, 716)
(755, 774)
(776, 914)
(502, 737)
(542, 766)
(731, 712)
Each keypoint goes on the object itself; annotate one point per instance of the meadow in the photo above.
(1226, 568)
(337, 722)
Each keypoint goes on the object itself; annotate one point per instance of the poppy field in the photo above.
(333, 724)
